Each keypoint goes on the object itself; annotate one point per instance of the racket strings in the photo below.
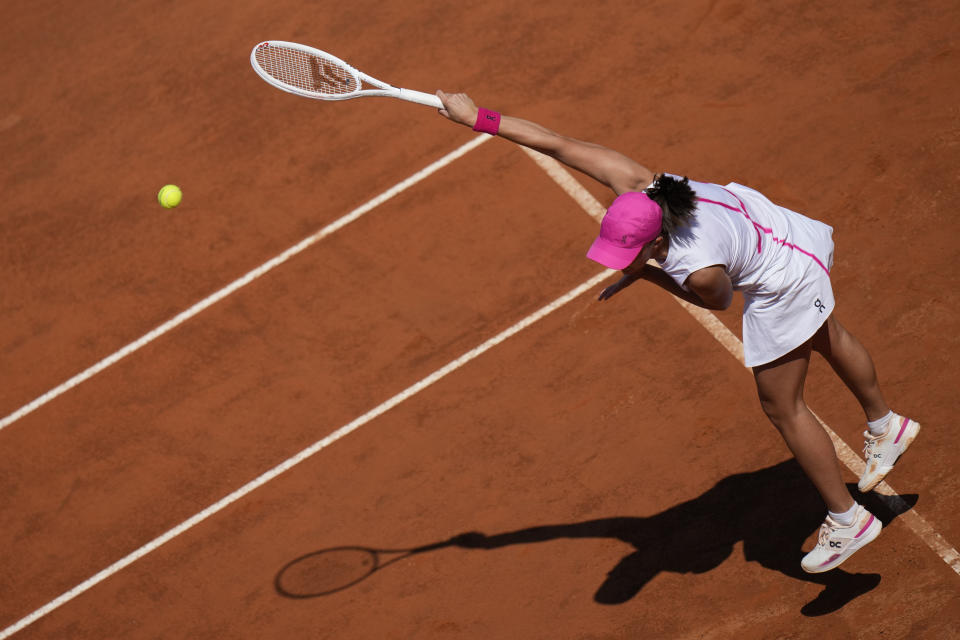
(306, 72)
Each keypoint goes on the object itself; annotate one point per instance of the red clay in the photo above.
(613, 456)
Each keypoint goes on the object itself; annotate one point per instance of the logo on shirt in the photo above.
(819, 305)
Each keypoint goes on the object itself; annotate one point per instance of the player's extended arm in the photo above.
(608, 167)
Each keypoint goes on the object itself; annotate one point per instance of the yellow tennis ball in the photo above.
(170, 196)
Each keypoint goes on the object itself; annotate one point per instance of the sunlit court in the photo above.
(352, 374)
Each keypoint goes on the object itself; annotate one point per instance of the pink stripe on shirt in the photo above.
(760, 228)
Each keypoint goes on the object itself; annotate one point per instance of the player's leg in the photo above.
(889, 434)
(780, 388)
(848, 526)
(852, 362)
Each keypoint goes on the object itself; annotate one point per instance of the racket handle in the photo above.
(420, 97)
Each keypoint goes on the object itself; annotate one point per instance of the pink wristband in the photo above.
(487, 121)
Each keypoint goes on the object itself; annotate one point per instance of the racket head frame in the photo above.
(358, 77)
(355, 74)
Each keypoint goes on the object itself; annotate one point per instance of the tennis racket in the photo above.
(312, 73)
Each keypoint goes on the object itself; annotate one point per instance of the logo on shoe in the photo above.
(835, 545)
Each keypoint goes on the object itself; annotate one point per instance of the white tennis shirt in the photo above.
(779, 259)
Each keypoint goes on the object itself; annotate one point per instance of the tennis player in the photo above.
(708, 241)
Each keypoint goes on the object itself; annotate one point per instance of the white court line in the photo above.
(919, 525)
(289, 463)
(242, 281)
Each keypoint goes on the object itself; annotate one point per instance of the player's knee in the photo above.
(784, 413)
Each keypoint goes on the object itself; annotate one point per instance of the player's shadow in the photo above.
(772, 511)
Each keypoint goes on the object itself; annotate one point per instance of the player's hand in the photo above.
(624, 282)
(458, 107)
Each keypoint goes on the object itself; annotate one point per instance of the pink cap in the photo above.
(632, 221)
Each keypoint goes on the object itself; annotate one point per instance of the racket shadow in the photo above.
(772, 511)
(328, 571)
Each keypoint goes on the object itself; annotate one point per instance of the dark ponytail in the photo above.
(677, 200)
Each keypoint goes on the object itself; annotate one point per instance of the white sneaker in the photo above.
(836, 543)
(881, 452)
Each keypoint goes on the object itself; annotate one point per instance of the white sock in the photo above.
(847, 517)
(878, 427)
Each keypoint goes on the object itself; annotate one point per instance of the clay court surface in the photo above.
(610, 461)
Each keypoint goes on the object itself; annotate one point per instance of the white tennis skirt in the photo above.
(778, 319)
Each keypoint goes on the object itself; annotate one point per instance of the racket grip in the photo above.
(420, 97)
